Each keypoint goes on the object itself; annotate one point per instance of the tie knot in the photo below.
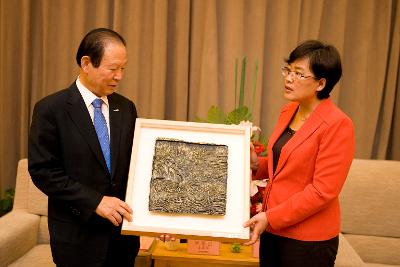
(97, 103)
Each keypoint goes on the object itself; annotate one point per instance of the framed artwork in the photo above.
(190, 180)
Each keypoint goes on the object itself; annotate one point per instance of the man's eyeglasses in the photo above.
(298, 75)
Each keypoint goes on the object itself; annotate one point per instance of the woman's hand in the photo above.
(258, 223)
(253, 158)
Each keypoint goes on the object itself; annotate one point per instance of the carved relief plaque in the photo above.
(188, 177)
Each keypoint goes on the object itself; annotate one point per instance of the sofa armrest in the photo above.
(347, 256)
(18, 234)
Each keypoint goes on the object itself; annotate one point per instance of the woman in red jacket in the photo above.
(309, 155)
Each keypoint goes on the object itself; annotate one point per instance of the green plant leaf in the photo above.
(9, 193)
(238, 115)
(242, 83)
(216, 115)
(236, 74)
(241, 112)
(254, 87)
(235, 248)
(6, 203)
(198, 119)
(263, 140)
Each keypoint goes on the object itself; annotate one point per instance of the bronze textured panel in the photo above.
(188, 177)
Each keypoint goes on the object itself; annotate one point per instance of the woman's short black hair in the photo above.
(93, 45)
(324, 60)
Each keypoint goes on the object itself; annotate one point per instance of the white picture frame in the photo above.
(194, 226)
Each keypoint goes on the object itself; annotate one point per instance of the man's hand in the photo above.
(258, 223)
(114, 210)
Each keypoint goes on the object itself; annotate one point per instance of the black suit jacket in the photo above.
(66, 163)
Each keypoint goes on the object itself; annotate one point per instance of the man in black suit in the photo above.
(85, 176)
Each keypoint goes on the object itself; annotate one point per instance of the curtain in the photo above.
(182, 54)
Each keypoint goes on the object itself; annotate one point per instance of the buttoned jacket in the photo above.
(301, 199)
(66, 162)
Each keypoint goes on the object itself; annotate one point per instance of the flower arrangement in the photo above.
(242, 114)
(257, 187)
(259, 147)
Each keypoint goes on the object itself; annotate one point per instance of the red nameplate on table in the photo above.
(203, 247)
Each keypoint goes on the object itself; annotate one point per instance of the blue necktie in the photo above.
(100, 125)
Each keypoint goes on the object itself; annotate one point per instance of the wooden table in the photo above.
(144, 259)
(180, 258)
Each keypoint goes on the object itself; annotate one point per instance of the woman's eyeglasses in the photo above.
(286, 71)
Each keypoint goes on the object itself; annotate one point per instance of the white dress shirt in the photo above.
(88, 97)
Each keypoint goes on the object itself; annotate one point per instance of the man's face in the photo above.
(104, 79)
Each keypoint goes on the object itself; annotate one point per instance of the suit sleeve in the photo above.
(335, 154)
(45, 165)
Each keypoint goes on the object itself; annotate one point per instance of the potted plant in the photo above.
(6, 203)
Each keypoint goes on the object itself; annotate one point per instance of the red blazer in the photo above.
(301, 198)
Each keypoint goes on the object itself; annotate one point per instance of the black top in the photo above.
(282, 140)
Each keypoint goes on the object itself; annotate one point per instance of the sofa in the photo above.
(370, 220)
(370, 206)
(24, 235)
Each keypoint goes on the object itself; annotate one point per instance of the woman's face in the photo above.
(300, 84)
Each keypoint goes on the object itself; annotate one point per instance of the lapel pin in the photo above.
(117, 109)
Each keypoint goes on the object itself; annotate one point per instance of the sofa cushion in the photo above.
(18, 234)
(370, 198)
(375, 249)
(347, 257)
(21, 186)
(43, 234)
(379, 265)
(38, 256)
(37, 200)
